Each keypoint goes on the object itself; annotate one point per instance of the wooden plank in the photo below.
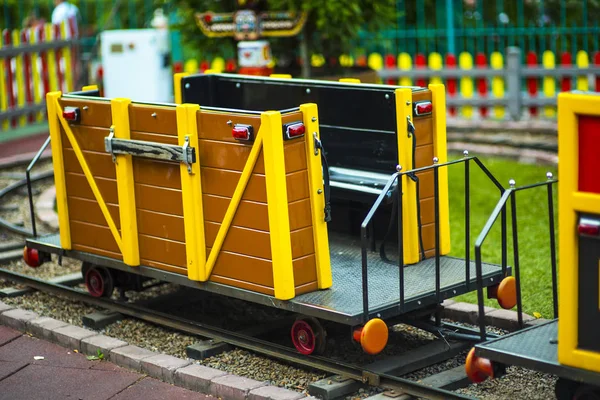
(162, 250)
(154, 137)
(100, 164)
(256, 270)
(165, 267)
(88, 210)
(157, 173)
(153, 198)
(100, 252)
(304, 270)
(424, 156)
(77, 186)
(88, 138)
(160, 225)
(153, 119)
(153, 150)
(93, 236)
(98, 113)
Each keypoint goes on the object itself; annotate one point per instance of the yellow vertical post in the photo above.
(375, 62)
(277, 201)
(191, 66)
(59, 170)
(19, 71)
(436, 64)
(583, 61)
(438, 98)
(317, 199)
(35, 73)
(497, 63)
(405, 160)
(465, 62)
(218, 64)
(191, 193)
(177, 86)
(405, 64)
(346, 60)
(125, 185)
(66, 53)
(51, 57)
(549, 82)
(3, 85)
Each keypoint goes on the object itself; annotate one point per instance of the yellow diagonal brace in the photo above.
(409, 195)
(278, 208)
(59, 170)
(125, 185)
(233, 205)
(191, 193)
(88, 175)
(438, 97)
(317, 199)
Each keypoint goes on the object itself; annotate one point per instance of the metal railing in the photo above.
(514, 74)
(368, 221)
(510, 194)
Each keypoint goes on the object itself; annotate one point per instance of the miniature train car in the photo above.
(220, 194)
(569, 346)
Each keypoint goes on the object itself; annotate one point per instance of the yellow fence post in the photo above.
(277, 201)
(317, 199)
(549, 82)
(191, 193)
(125, 185)
(497, 63)
(59, 170)
(35, 73)
(51, 57)
(583, 61)
(177, 86)
(465, 62)
(438, 98)
(3, 85)
(405, 64)
(20, 75)
(66, 53)
(436, 64)
(405, 160)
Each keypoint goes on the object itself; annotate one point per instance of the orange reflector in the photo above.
(31, 257)
(373, 336)
(507, 292)
(477, 368)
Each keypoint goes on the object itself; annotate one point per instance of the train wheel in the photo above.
(98, 281)
(308, 336)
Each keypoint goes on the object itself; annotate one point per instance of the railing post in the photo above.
(513, 82)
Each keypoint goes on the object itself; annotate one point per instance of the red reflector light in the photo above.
(242, 132)
(31, 257)
(423, 108)
(294, 130)
(71, 114)
(590, 229)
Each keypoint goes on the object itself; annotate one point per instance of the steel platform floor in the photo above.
(534, 348)
(343, 301)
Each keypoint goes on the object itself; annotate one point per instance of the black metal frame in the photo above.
(28, 178)
(510, 194)
(366, 243)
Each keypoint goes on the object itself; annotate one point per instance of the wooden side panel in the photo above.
(424, 157)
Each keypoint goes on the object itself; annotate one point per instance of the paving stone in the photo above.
(103, 343)
(8, 368)
(41, 381)
(17, 318)
(7, 334)
(70, 336)
(332, 387)
(506, 319)
(163, 366)
(43, 326)
(25, 348)
(5, 307)
(197, 377)
(152, 389)
(464, 312)
(274, 393)
(130, 356)
(232, 387)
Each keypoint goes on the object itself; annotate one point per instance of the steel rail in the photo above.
(280, 352)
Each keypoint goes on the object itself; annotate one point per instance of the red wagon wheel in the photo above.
(99, 282)
(308, 336)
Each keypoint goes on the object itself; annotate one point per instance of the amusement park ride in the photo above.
(284, 208)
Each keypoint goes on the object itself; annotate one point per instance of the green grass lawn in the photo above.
(533, 235)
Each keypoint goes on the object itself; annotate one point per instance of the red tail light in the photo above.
(423, 108)
(31, 257)
(71, 114)
(589, 228)
(242, 132)
(294, 130)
